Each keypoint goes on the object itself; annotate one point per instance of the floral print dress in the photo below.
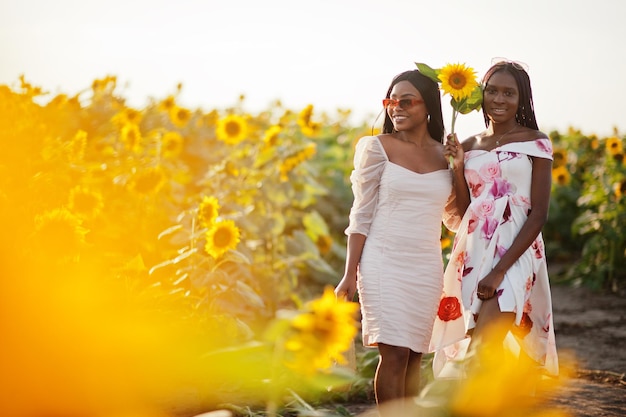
(499, 182)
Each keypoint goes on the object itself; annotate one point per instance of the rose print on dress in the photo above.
(449, 309)
(474, 182)
(544, 145)
(501, 187)
(537, 247)
(489, 227)
(485, 208)
(490, 171)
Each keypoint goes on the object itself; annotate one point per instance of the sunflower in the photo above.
(614, 146)
(208, 210)
(222, 237)
(171, 144)
(180, 116)
(78, 145)
(149, 180)
(167, 104)
(559, 157)
(457, 80)
(270, 138)
(322, 333)
(620, 189)
(59, 233)
(131, 137)
(84, 202)
(127, 115)
(324, 243)
(232, 129)
(561, 176)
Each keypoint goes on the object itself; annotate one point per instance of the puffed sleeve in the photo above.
(451, 217)
(369, 162)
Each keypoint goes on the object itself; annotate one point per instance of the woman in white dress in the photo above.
(401, 184)
(498, 266)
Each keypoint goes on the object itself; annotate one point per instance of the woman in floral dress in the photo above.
(497, 273)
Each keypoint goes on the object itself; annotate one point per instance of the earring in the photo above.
(428, 118)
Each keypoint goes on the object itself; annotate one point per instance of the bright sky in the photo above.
(329, 53)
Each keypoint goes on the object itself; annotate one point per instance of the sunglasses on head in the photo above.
(404, 103)
(521, 66)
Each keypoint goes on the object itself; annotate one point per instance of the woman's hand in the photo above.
(452, 148)
(488, 286)
(346, 289)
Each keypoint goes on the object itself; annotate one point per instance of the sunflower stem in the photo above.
(451, 158)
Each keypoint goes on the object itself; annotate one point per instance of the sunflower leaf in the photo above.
(468, 104)
(431, 73)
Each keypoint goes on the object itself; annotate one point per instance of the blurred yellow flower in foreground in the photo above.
(221, 237)
(232, 129)
(322, 333)
(498, 382)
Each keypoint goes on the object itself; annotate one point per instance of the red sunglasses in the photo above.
(404, 103)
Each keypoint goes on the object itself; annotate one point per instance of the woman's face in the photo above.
(501, 97)
(407, 108)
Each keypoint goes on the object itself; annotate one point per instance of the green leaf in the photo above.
(468, 104)
(431, 73)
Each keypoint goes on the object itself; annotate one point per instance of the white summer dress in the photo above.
(499, 182)
(400, 276)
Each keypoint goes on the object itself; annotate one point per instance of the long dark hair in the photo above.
(525, 115)
(432, 99)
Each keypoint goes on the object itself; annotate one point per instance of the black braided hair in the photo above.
(432, 99)
(525, 115)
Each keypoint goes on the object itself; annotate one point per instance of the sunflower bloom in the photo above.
(85, 203)
(270, 139)
(59, 233)
(561, 176)
(208, 210)
(308, 126)
(322, 333)
(131, 137)
(620, 189)
(78, 145)
(222, 237)
(324, 243)
(232, 129)
(127, 115)
(167, 104)
(171, 144)
(290, 163)
(180, 116)
(458, 80)
(559, 158)
(614, 146)
(149, 180)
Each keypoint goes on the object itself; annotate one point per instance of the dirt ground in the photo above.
(590, 329)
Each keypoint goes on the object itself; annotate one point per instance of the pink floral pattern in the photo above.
(500, 183)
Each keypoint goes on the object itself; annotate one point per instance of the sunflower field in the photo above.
(159, 256)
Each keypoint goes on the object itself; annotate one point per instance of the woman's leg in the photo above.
(390, 379)
(492, 325)
(412, 385)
